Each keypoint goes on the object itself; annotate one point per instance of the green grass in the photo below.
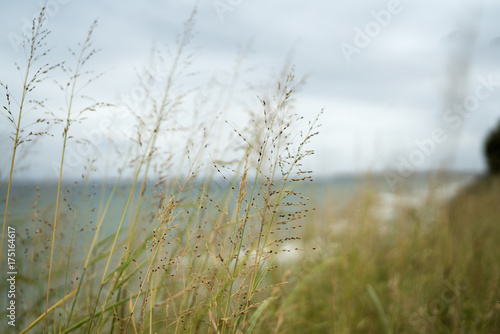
(418, 276)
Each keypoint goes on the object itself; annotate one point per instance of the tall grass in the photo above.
(35, 48)
(75, 76)
(201, 259)
(430, 269)
(193, 234)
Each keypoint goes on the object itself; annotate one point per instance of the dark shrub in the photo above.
(492, 150)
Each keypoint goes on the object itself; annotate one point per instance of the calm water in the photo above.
(32, 202)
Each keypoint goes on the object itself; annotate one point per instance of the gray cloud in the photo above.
(388, 96)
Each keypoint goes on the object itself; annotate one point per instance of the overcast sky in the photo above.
(380, 69)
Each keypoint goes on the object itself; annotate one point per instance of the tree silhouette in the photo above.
(492, 150)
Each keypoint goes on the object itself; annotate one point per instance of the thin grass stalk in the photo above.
(281, 192)
(65, 140)
(161, 113)
(247, 213)
(36, 33)
(94, 242)
(158, 246)
(114, 245)
(115, 239)
(71, 248)
(50, 310)
(146, 159)
(258, 258)
(90, 317)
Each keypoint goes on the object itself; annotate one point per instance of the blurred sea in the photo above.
(31, 200)
(32, 207)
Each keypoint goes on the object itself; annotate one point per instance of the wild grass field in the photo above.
(205, 231)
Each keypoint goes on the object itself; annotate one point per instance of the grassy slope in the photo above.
(441, 276)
